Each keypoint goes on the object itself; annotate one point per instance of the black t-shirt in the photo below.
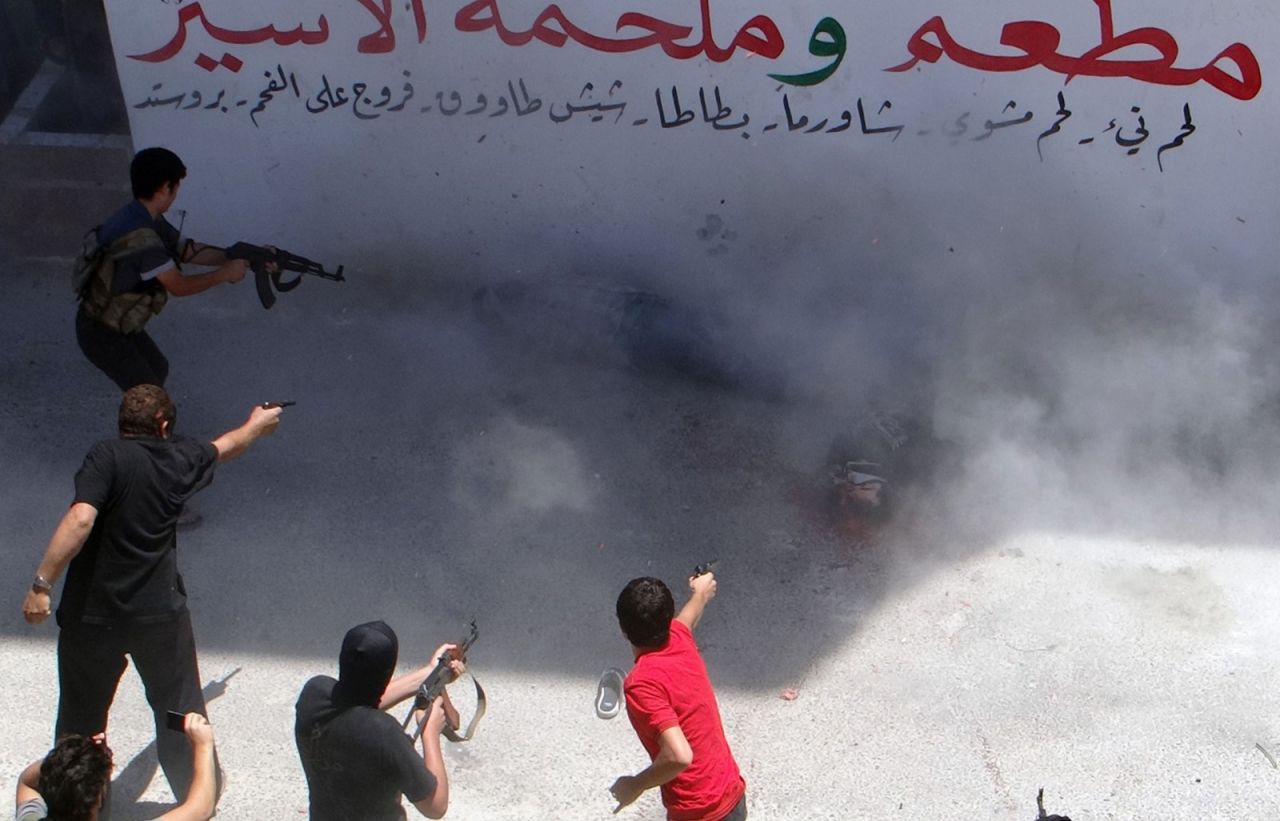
(358, 761)
(127, 571)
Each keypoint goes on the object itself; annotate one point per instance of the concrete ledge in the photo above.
(56, 185)
(66, 164)
(44, 218)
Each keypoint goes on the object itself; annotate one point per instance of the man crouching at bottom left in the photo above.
(357, 759)
(71, 781)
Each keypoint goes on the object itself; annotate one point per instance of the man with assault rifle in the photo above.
(357, 758)
(129, 267)
(131, 264)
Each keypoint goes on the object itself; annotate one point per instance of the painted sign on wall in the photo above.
(516, 133)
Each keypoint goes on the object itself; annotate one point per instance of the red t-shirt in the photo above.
(668, 687)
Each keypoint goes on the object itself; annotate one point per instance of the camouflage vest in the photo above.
(123, 313)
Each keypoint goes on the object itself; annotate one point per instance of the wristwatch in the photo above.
(41, 584)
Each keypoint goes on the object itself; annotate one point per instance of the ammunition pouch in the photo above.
(127, 312)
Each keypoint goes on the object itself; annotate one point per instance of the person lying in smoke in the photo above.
(860, 465)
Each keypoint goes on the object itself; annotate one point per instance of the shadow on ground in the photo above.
(432, 472)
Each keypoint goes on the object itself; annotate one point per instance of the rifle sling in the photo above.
(452, 734)
(449, 732)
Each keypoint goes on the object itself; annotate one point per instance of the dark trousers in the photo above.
(739, 812)
(128, 359)
(91, 660)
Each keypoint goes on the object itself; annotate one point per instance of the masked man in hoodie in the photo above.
(357, 759)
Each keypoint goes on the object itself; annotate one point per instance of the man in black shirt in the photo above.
(124, 595)
(357, 759)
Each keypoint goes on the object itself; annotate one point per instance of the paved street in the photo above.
(433, 471)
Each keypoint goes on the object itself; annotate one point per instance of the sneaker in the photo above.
(609, 693)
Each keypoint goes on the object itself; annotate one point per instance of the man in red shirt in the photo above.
(673, 708)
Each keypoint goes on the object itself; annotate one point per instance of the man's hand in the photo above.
(674, 757)
(35, 607)
(198, 729)
(704, 590)
(435, 718)
(704, 585)
(452, 719)
(456, 664)
(202, 798)
(402, 687)
(263, 421)
(233, 270)
(625, 791)
(442, 714)
(457, 667)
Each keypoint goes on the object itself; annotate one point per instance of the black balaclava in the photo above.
(365, 665)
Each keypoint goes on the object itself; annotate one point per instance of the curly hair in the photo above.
(142, 410)
(74, 777)
(645, 609)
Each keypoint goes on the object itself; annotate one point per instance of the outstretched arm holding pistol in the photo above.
(77, 523)
(703, 590)
(674, 753)
(263, 421)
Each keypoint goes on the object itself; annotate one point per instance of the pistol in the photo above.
(705, 568)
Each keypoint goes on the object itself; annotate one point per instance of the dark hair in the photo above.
(73, 777)
(142, 410)
(645, 610)
(152, 169)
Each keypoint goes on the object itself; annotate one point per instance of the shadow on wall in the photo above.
(72, 36)
(20, 51)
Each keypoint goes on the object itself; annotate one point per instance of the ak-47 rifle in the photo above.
(258, 256)
(434, 685)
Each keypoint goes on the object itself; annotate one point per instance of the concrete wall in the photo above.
(336, 128)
